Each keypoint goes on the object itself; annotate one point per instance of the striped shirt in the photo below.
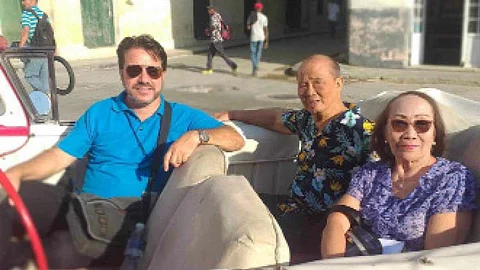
(29, 19)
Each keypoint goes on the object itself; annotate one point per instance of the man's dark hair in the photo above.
(377, 141)
(145, 42)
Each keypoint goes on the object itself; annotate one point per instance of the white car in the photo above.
(200, 221)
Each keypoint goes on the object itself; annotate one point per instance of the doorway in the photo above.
(443, 36)
(247, 9)
(293, 14)
(201, 19)
(97, 18)
(10, 14)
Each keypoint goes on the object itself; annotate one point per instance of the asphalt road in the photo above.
(223, 91)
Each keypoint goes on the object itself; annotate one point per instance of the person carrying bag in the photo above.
(99, 226)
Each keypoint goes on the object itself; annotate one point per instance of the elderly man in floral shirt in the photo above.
(334, 143)
(216, 45)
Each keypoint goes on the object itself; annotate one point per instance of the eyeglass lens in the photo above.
(134, 70)
(420, 126)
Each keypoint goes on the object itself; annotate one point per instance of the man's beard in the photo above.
(142, 103)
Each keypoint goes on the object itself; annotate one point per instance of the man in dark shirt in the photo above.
(216, 45)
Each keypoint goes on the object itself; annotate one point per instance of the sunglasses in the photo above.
(134, 70)
(420, 126)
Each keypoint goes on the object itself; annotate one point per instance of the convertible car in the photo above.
(210, 216)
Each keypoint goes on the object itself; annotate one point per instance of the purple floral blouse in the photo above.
(447, 187)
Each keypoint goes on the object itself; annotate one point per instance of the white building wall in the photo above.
(380, 33)
(471, 52)
(418, 11)
(470, 41)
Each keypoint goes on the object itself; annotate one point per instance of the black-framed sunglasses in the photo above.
(134, 70)
(420, 126)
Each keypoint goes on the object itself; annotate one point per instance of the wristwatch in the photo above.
(204, 136)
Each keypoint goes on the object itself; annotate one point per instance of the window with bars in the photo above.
(473, 17)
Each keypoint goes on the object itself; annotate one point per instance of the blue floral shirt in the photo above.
(447, 187)
(327, 158)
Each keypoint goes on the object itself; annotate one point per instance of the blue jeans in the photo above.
(36, 74)
(256, 53)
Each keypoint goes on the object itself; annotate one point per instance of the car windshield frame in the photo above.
(21, 53)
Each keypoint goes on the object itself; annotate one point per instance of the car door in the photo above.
(27, 127)
(14, 123)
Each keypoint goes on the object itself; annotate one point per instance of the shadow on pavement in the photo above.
(197, 69)
(293, 50)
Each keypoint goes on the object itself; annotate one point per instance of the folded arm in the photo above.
(225, 137)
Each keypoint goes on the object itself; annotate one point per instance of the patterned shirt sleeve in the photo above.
(25, 20)
(458, 193)
(216, 28)
(290, 120)
(368, 127)
(357, 185)
(217, 22)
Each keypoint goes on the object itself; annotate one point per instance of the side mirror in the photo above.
(41, 102)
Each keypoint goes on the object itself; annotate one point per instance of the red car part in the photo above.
(27, 222)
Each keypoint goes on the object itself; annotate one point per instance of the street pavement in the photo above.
(99, 78)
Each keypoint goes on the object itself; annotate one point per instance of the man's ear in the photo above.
(339, 82)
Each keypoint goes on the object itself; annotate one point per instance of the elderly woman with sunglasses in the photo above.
(412, 194)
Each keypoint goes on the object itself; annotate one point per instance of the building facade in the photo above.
(92, 28)
(400, 33)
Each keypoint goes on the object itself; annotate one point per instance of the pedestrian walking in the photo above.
(36, 69)
(216, 45)
(333, 11)
(257, 24)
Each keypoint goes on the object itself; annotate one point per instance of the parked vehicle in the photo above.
(210, 215)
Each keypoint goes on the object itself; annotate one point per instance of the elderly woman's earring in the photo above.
(388, 151)
(434, 143)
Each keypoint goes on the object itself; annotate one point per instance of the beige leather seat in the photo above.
(464, 146)
(205, 219)
(268, 159)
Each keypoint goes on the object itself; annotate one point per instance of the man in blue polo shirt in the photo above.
(119, 135)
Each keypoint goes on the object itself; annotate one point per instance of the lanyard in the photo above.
(140, 144)
(165, 120)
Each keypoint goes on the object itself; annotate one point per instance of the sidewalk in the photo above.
(284, 56)
(415, 75)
